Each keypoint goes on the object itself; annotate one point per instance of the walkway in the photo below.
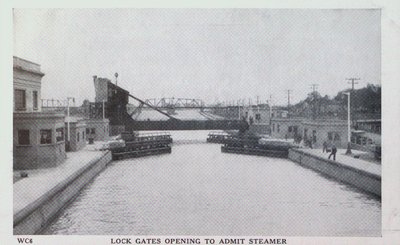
(367, 166)
(28, 190)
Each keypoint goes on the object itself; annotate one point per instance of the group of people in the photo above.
(333, 150)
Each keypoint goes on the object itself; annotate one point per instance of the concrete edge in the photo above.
(30, 208)
(375, 176)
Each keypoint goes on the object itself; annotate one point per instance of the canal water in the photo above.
(197, 190)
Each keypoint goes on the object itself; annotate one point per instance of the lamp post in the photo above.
(348, 152)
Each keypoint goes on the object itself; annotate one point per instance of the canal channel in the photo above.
(197, 190)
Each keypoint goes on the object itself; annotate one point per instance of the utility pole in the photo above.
(314, 88)
(270, 113)
(352, 82)
(288, 96)
(348, 152)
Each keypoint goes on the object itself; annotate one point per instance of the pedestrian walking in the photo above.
(324, 147)
(333, 152)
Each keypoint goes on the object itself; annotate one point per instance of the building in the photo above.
(369, 125)
(38, 137)
(333, 131)
(258, 117)
(286, 127)
(98, 129)
(256, 114)
(76, 127)
(330, 130)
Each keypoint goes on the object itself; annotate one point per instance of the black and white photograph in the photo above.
(180, 125)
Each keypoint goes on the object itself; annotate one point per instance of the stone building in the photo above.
(38, 137)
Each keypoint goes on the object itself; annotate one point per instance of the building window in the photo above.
(45, 136)
(330, 136)
(59, 134)
(93, 130)
(35, 100)
(258, 116)
(83, 135)
(87, 131)
(77, 137)
(273, 127)
(278, 128)
(20, 100)
(23, 137)
(290, 129)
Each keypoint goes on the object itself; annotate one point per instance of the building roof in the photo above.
(26, 65)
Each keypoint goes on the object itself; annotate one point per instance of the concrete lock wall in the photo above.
(365, 181)
(37, 215)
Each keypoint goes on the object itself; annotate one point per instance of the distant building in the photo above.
(258, 116)
(38, 137)
(286, 128)
(333, 131)
(98, 129)
(330, 130)
(369, 125)
(77, 130)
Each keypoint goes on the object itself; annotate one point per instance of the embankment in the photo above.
(357, 177)
(37, 215)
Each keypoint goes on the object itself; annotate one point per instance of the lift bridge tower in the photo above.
(110, 102)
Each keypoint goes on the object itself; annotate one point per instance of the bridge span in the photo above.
(113, 101)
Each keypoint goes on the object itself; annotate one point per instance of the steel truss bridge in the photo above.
(115, 107)
(175, 103)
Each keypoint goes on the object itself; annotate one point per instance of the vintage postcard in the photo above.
(209, 125)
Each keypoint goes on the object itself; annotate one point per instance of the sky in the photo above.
(209, 54)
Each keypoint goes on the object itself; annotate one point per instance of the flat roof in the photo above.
(26, 65)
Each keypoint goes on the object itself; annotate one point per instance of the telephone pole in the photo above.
(352, 82)
(288, 96)
(314, 87)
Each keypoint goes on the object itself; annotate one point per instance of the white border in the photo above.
(390, 105)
